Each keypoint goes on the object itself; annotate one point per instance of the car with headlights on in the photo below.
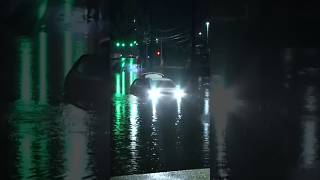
(156, 88)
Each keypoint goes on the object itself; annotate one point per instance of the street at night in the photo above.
(50, 139)
(148, 90)
(163, 135)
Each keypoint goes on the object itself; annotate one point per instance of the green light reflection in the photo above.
(131, 62)
(43, 57)
(67, 52)
(67, 9)
(32, 143)
(24, 154)
(42, 8)
(123, 83)
(25, 50)
(118, 115)
(118, 88)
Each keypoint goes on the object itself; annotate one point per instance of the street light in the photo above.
(207, 25)
(200, 33)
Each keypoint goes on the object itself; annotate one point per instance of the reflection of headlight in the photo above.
(179, 93)
(154, 93)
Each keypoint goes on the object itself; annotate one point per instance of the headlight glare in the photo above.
(179, 93)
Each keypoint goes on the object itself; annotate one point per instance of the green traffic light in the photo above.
(131, 44)
(135, 42)
(117, 44)
(123, 44)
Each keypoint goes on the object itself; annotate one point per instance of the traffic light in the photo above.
(123, 44)
(158, 53)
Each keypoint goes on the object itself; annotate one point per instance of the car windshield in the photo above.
(153, 76)
(163, 84)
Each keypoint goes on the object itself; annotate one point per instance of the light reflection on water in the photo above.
(134, 130)
(43, 67)
(225, 103)
(53, 141)
(154, 135)
(309, 125)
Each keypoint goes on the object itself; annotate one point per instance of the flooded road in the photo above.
(46, 138)
(265, 141)
(158, 136)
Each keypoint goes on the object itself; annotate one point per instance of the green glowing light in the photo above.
(118, 44)
(131, 44)
(123, 44)
(26, 76)
(67, 9)
(42, 8)
(43, 67)
(25, 152)
(117, 83)
(135, 42)
(118, 117)
(131, 77)
(67, 52)
(123, 63)
(123, 83)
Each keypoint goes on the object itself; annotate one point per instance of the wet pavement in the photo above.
(49, 139)
(160, 136)
(251, 141)
(201, 174)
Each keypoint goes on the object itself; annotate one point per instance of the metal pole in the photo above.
(161, 60)
(146, 50)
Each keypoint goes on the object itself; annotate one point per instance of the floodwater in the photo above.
(48, 139)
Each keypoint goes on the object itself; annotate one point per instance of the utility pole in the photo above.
(161, 59)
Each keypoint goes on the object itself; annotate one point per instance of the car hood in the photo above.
(167, 90)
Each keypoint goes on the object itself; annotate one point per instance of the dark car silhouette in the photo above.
(86, 84)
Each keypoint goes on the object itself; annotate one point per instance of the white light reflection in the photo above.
(154, 103)
(178, 112)
(309, 123)
(133, 129)
(309, 142)
(205, 123)
(77, 140)
(206, 102)
(224, 103)
(310, 100)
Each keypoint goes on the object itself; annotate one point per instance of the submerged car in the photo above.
(156, 88)
(152, 75)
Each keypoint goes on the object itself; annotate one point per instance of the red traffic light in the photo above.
(158, 53)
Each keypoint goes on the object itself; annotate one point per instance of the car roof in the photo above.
(161, 79)
(152, 73)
